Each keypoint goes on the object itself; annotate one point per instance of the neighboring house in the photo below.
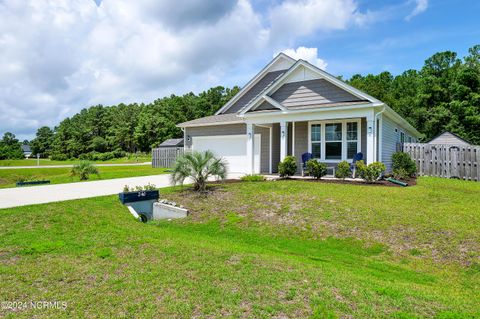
(292, 107)
(27, 151)
(172, 142)
(448, 138)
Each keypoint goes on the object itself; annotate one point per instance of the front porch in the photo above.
(328, 140)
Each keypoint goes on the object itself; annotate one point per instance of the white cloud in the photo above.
(300, 18)
(307, 54)
(59, 56)
(420, 6)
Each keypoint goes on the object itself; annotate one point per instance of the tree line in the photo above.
(101, 132)
(443, 95)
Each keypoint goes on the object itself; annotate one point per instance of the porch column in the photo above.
(250, 149)
(283, 140)
(370, 139)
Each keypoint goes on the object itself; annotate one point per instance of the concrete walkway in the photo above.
(13, 197)
(68, 166)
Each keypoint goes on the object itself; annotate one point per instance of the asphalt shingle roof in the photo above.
(229, 118)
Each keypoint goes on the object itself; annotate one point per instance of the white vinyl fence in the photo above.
(165, 156)
(449, 161)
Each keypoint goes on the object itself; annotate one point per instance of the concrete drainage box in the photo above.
(166, 211)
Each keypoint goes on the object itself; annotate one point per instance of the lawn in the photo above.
(8, 177)
(284, 249)
(48, 162)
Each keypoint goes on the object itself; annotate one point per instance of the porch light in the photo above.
(249, 135)
(188, 138)
(369, 130)
(283, 133)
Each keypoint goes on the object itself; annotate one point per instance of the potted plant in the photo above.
(139, 193)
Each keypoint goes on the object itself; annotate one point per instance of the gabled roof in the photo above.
(281, 62)
(26, 148)
(172, 142)
(327, 76)
(448, 133)
(228, 118)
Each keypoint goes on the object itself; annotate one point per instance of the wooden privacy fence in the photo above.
(449, 161)
(165, 156)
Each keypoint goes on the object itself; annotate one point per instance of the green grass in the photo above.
(8, 177)
(247, 250)
(48, 162)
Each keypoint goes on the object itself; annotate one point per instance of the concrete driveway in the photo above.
(13, 197)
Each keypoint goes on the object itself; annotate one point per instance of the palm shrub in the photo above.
(316, 169)
(83, 170)
(343, 170)
(199, 167)
(288, 167)
(371, 172)
(403, 166)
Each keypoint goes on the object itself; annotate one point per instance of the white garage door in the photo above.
(233, 148)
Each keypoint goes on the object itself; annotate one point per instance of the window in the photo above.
(352, 139)
(316, 139)
(335, 141)
(402, 137)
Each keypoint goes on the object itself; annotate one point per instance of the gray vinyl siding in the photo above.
(449, 139)
(254, 91)
(312, 92)
(389, 141)
(264, 148)
(229, 129)
(301, 142)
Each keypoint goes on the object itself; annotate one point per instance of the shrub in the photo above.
(84, 169)
(403, 166)
(316, 169)
(252, 178)
(370, 173)
(199, 167)
(288, 167)
(343, 170)
(58, 157)
(401, 173)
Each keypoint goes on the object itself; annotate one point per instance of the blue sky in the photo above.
(57, 57)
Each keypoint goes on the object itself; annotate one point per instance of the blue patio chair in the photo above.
(353, 166)
(305, 157)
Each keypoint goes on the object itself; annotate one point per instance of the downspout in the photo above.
(377, 134)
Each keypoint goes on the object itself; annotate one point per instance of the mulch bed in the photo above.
(410, 182)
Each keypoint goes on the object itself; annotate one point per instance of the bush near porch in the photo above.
(256, 250)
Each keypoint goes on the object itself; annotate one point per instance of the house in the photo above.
(448, 138)
(27, 151)
(292, 107)
(172, 142)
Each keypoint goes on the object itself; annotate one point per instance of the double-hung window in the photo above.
(335, 141)
(316, 140)
(352, 139)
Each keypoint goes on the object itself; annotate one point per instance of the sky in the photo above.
(59, 56)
